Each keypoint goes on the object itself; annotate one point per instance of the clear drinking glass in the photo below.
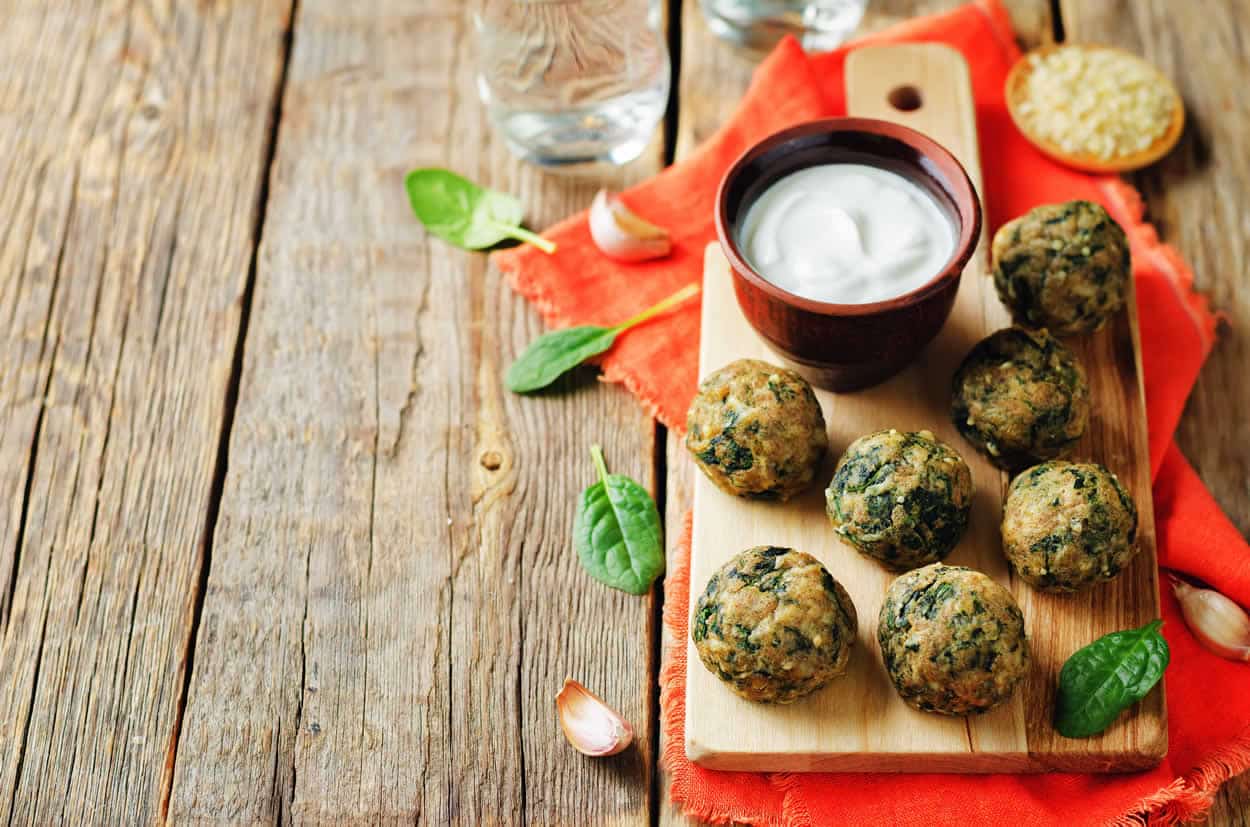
(573, 81)
(819, 25)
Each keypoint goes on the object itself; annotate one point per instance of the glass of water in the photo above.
(820, 25)
(573, 81)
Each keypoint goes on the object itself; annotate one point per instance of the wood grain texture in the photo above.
(1199, 199)
(1232, 804)
(134, 142)
(394, 600)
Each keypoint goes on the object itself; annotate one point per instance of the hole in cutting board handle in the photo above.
(905, 98)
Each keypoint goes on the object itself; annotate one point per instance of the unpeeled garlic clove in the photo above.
(1219, 624)
(621, 234)
(592, 727)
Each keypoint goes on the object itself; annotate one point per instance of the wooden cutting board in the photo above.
(858, 723)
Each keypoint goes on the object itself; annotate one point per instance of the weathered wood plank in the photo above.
(1232, 805)
(1198, 197)
(134, 141)
(393, 600)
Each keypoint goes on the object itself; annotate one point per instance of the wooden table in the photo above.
(274, 543)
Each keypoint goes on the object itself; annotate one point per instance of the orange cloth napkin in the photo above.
(1208, 698)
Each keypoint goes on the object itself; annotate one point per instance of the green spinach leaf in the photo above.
(553, 354)
(616, 532)
(1104, 678)
(457, 210)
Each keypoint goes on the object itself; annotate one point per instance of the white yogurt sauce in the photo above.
(847, 234)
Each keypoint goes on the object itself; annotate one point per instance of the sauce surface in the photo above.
(847, 234)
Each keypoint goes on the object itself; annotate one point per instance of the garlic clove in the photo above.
(621, 234)
(590, 725)
(1219, 624)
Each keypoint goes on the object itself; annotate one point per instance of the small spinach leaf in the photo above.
(553, 354)
(1104, 678)
(616, 532)
(457, 210)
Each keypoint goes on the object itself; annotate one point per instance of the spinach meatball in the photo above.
(774, 625)
(1020, 397)
(1068, 526)
(952, 640)
(1064, 267)
(756, 430)
(901, 498)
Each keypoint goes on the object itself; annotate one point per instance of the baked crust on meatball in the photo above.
(774, 625)
(756, 430)
(902, 498)
(1064, 267)
(1068, 526)
(1020, 397)
(952, 640)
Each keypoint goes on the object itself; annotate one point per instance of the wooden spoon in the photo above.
(1015, 93)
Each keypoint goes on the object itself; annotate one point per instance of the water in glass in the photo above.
(573, 81)
(819, 25)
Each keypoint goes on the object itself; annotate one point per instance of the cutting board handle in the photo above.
(925, 86)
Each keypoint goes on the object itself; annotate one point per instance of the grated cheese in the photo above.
(1096, 102)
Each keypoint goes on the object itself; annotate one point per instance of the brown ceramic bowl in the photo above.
(845, 347)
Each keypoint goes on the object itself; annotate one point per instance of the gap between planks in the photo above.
(230, 405)
(100, 327)
(657, 796)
